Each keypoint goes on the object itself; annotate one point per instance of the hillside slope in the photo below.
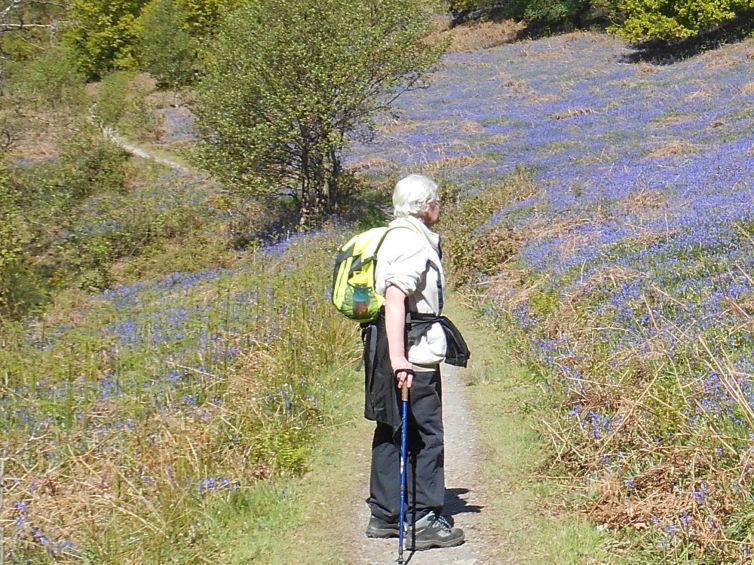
(630, 284)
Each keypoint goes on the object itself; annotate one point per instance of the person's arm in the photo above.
(395, 327)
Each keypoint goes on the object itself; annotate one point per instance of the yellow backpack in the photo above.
(353, 288)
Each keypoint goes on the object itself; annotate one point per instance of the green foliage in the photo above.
(12, 241)
(670, 20)
(112, 226)
(109, 35)
(467, 5)
(202, 16)
(560, 13)
(88, 164)
(104, 35)
(289, 82)
(544, 13)
(120, 104)
(167, 49)
(52, 193)
(547, 12)
(28, 27)
(49, 81)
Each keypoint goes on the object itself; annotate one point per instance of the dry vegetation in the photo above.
(478, 35)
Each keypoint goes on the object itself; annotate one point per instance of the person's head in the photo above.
(417, 195)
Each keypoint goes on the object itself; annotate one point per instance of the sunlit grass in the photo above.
(154, 399)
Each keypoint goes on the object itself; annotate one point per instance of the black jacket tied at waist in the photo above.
(381, 399)
(457, 352)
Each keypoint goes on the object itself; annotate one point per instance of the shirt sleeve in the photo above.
(406, 262)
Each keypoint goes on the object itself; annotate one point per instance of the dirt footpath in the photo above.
(464, 499)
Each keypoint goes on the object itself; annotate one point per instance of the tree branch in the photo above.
(10, 7)
(13, 27)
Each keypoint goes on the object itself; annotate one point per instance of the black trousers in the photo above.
(425, 466)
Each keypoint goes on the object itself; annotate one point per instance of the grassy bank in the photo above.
(138, 422)
(532, 511)
(307, 524)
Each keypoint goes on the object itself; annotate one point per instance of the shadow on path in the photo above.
(455, 503)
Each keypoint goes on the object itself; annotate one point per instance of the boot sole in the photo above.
(382, 533)
(432, 544)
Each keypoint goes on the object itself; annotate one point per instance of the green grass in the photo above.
(532, 513)
(161, 409)
(302, 520)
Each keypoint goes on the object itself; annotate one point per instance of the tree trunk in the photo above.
(333, 181)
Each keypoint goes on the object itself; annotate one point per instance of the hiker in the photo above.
(410, 277)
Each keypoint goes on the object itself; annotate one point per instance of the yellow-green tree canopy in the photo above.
(670, 20)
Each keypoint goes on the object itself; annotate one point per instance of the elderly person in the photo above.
(410, 277)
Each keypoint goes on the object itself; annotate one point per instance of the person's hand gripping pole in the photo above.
(404, 383)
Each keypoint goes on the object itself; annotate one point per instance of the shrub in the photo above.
(168, 50)
(202, 16)
(289, 82)
(120, 104)
(90, 163)
(27, 27)
(104, 35)
(678, 19)
(540, 13)
(21, 288)
(49, 81)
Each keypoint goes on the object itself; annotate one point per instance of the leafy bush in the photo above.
(89, 164)
(678, 19)
(457, 6)
(107, 35)
(104, 35)
(289, 82)
(202, 16)
(168, 50)
(18, 290)
(50, 81)
(28, 27)
(120, 104)
(541, 13)
(53, 191)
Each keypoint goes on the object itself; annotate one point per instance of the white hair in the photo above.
(412, 194)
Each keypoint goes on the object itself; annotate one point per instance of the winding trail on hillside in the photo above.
(117, 139)
(465, 499)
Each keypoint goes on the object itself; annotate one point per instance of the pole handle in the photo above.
(404, 386)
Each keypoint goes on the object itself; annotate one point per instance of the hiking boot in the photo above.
(379, 528)
(434, 530)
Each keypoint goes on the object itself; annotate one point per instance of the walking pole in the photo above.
(404, 455)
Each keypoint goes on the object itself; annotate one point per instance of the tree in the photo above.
(104, 35)
(167, 49)
(202, 15)
(289, 83)
(27, 27)
(18, 289)
(543, 14)
(670, 20)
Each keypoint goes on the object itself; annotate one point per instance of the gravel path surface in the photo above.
(464, 499)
